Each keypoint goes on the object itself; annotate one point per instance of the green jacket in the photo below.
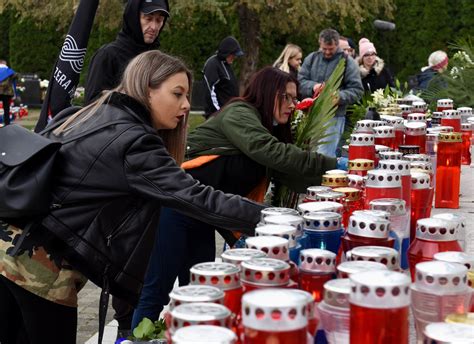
(238, 129)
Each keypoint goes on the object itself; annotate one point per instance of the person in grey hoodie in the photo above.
(317, 68)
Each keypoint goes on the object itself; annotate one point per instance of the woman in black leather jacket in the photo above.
(114, 173)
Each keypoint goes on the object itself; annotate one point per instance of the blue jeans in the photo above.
(329, 149)
(180, 243)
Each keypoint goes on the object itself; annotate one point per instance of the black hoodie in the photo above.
(109, 62)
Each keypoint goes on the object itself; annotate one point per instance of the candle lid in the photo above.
(450, 137)
(456, 257)
(277, 211)
(335, 180)
(416, 117)
(356, 181)
(446, 333)
(310, 304)
(293, 220)
(466, 126)
(418, 103)
(274, 310)
(436, 229)
(415, 128)
(310, 207)
(195, 293)
(274, 247)
(198, 313)
(330, 196)
(352, 194)
(394, 206)
(444, 102)
(204, 334)
(365, 125)
(311, 191)
(440, 129)
(441, 278)
(399, 166)
(409, 149)
(379, 213)
(470, 119)
(405, 107)
(317, 260)
(283, 231)
(384, 131)
(361, 165)
(336, 292)
(465, 111)
(380, 289)
(224, 276)
(322, 221)
(383, 179)
(385, 255)
(417, 157)
(426, 166)
(351, 267)
(239, 255)
(420, 180)
(266, 272)
(451, 114)
(390, 155)
(436, 114)
(369, 226)
(459, 219)
(362, 140)
(339, 172)
(382, 148)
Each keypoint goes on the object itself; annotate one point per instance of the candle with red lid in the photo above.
(382, 184)
(403, 168)
(466, 131)
(415, 134)
(385, 255)
(444, 104)
(451, 118)
(385, 136)
(432, 236)
(274, 315)
(362, 146)
(261, 273)
(448, 171)
(379, 306)
(311, 192)
(345, 269)
(316, 268)
(421, 193)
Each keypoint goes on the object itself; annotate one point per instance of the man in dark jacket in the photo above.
(143, 22)
(221, 84)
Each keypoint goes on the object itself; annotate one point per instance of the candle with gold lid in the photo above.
(353, 201)
(334, 180)
(360, 166)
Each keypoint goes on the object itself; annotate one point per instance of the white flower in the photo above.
(44, 83)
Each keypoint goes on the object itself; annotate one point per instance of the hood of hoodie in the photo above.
(227, 46)
(378, 67)
(132, 30)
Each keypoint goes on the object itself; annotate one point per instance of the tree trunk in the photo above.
(249, 25)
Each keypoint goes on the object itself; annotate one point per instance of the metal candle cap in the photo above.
(361, 165)
(311, 191)
(337, 291)
(378, 213)
(451, 114)
(465, 111)
(459, 219)
(276, 211)
(466, 126)
(335, 180)
(415, 128)
(322, 221)
(199, 313)
(418, 105)
(441, 278)
(456, 257)
(390, 155)
(384, 131)
(417, 157)
(195, 293)
(274, 310)
(385, 255)
(330, 196)
(295, 221)
(351, 267)
(450, 137)
(436, 229)
(394, 206)
(362, 140)
(224, 276)
(369, 226)
(398, 166)
(426, 166)
(351, 194)
(409, 149)
(446, 333)
(200, 334)
(440, 129)
(317, 260)
(365, 126)
(416, 117)
(283, 231)
(380, 289)
(381, 149)
(420, 181)
(266, 272)
(356, 181)
(406, 107)
(444, 102)
(339, 172)
(394, 121)
(239, 255)
(274, 247)
(311, 207)
(383, 179)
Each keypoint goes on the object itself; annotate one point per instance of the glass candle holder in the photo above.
(424, 167)
(380, 149)
(415, 134)
(403, 168)
(385, 255)
(330, 196)
(311, 192)
(379, 307)
(274, 315)
(432, 236)
(238, 255)
(405, 109)
(417, 157)
(365, 126)
(451, 118)
(390, 155)
(409, 149)
(353, 201)
(212, 335)
(447, 333)
(345, 269)
(385, 136)
(195, 293)
(357, 182)
(283, 231)
(466, 131)
(294, 220)
(419, 106)
(440, 289)
(465, 113)
(313, 317)
(416, 117)
(224, 276)
(421, 194)
(360, 166)
(382, 184)
(324, 230)
(261, 273)
(397, 123)
(465, 242)
(334, 180)
(448, 171)
(362, 146)
(316, 268)
(444, 104)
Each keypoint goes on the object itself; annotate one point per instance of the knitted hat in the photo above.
(437, 60)
(366, 47)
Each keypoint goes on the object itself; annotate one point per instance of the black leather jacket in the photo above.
(110, 185)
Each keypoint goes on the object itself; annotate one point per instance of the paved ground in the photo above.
(89, 296)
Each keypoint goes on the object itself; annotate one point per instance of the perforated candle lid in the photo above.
(365, 125)
(310, 207)
(322, 221)
(419, 105)
(204, 334)
(239, 255)
(450, 137)
(351, 267)
(436, 229)
(339, 172)
(385, 255)
(390, 156)
(394, 121)
(274, 310)
(361, 165)
(317, 260)
(440, 129)
(416, 117)
(409, 149)
(417, 157)
(277, 211)
(383, 179)
(420, 180)
(459, 219)
(398, 166)
(352, 194)
(195, 293)
(422, 165)
(394, 206)
(369, 226)
(446, 333)
(224, 276)
(451, 114)
(441, 278)
(293, 220)
(406, 107)
(379, 213)
(466, 126)
(330, 196)
(274, 247)
(456, 257)
(284, 231)
(356, 181)
(415, 128)
(199, 313)
(335, 180)
(382, 148)
(362, 140)
(311, 191)
(465, 111)
(444, 102)
(266, 272)
(384, 131)
(336, 292)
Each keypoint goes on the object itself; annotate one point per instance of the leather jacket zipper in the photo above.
(120, 227)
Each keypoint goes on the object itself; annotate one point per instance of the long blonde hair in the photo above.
(290, 51)
(146, 71)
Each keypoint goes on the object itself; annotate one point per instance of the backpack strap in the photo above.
(103, 304)
(24, 234)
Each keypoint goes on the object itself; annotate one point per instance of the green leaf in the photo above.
(144, 330)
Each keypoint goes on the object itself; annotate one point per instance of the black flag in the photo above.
(66, 72)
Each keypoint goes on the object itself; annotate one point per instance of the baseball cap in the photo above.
(150, 6)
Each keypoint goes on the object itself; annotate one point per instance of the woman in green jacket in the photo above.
(234, 151)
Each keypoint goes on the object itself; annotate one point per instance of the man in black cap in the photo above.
(142, 24)
(221, 84)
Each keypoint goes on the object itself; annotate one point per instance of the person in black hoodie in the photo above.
(221, 84)
(142, 24)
